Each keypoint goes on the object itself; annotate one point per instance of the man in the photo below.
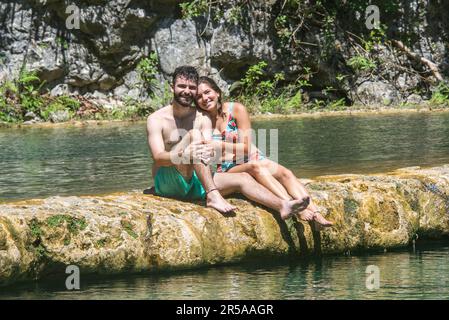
(177, 136)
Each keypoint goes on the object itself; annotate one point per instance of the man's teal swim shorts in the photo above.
(168, 182)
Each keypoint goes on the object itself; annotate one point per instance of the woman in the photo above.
(232, 131)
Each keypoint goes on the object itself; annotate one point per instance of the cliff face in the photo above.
(99, 59)
(124, 233)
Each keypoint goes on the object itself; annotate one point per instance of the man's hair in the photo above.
(187, 72)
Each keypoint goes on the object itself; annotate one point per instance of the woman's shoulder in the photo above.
(234, 105)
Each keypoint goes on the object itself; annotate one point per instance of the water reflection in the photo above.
(403, 275)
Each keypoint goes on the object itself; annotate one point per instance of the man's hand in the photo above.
(197, 152)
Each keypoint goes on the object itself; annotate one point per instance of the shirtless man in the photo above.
(177, 136)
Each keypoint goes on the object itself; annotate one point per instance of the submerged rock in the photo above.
(133, 232)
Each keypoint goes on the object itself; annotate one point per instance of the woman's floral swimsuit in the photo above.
(230, 134)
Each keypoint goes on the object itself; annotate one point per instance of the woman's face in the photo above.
(207, 98)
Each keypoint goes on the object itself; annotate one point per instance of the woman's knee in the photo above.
(286, 173)
(270, 167)
(245, 177)
(255, 168)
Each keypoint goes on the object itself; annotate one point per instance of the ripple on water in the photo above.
(403, 275)
(40, 162)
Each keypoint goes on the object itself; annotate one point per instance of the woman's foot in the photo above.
(320, 222)
(291, 207)
(306, 215)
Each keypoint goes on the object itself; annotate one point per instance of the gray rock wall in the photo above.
(101, 56)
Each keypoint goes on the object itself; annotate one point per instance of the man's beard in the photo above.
(185, 101)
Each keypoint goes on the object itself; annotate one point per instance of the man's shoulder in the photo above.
(159, 114)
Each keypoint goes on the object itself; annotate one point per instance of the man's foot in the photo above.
(289, 208)
(216, 201)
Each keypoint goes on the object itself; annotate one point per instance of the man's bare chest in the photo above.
(174, 130)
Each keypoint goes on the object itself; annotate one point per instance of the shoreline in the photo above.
(353, 112)
(357, 111)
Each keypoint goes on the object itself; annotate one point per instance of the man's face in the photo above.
(184, 91)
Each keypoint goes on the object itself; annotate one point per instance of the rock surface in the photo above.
(113, 36)
(132, 232)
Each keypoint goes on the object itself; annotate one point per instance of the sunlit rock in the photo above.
(133, 232)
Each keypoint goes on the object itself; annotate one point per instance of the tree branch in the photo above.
(417, 58)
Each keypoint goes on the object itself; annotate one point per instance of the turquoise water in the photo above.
(40, 162)
(407, 274)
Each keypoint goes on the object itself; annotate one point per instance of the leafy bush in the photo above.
(194, 8)
(147, 69)
(25, 94)
(361, 63)
(60, 103)
(441, 94)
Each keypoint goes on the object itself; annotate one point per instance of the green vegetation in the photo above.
(148, 69)
(74, 225)
(361, 63)
(36, 233)
(215, 9)
(25, 98)
(441, 94)
(25, 95)
(62, 42)
(35, 228)
(265, 94)
(341, 43)
(194, 8)
(351, 49)
(128, 227)
(101, 243)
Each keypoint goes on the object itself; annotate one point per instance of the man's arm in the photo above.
(184, 152)
(156, 143)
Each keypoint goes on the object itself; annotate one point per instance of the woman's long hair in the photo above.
(211, 83)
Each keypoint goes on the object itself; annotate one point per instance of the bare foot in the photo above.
(216, 201)
(289, 208)
(321, 222)
(307, 215)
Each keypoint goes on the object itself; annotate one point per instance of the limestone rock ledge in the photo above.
(133, 232)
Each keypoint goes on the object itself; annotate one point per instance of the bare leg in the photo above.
(286, 178)
(263, 176)
(297, 191)
(243, 183)
(213, 198)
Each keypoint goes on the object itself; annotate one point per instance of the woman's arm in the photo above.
(243, 146)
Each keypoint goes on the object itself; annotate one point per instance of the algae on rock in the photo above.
(133, 232)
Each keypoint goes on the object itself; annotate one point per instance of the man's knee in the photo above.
(194, 135)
